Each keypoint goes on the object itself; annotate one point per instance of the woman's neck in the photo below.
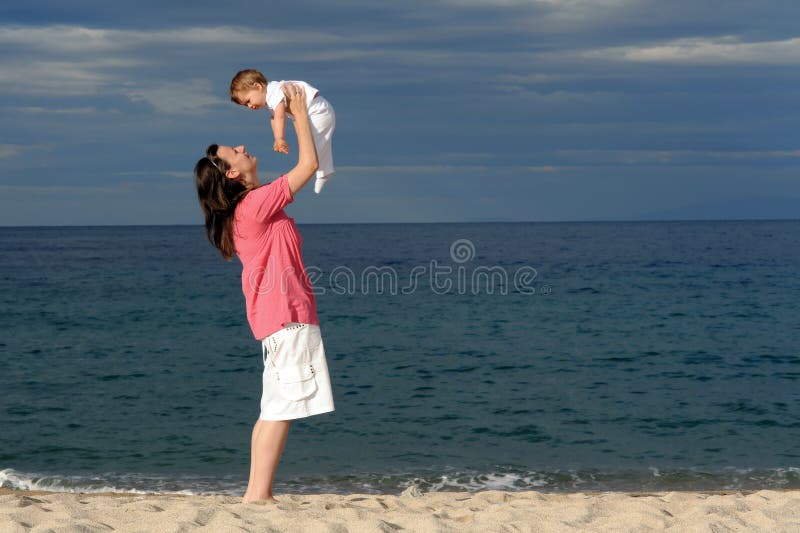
(251, 180)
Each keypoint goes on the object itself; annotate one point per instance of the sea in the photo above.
(557, 357)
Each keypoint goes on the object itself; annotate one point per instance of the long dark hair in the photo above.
(218, 196)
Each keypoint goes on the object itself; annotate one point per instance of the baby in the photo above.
(250, 88)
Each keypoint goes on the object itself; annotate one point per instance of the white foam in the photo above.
(451, 479)
(476, 482)
(13, 479)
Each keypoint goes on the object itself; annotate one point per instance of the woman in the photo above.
(247, 220)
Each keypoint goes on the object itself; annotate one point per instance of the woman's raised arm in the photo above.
(307, 163)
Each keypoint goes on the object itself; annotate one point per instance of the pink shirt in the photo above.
(274, 281)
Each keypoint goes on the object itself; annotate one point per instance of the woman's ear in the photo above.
(232, 174)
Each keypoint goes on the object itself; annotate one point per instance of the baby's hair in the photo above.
(246, 79)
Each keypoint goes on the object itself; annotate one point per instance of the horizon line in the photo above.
(585, 221)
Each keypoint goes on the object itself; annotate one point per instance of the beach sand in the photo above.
(765, 510)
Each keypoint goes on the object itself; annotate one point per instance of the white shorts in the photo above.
(323, 122)
(296, 380)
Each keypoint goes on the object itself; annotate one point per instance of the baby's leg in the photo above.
(322, 126)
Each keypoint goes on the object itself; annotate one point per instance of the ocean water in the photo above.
(547, 356)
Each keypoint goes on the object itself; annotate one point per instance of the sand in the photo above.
(765, 510)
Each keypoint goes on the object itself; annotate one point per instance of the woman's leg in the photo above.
(256, 431)
(269, 439)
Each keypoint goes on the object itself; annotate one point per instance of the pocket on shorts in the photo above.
(294, 371)
(296, 382)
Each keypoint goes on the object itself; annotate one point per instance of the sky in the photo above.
(447, 111)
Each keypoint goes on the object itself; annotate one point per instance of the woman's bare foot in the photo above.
(264, 501)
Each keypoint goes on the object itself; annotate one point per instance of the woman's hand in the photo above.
(295, 99)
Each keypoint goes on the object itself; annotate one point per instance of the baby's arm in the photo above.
(279, 128)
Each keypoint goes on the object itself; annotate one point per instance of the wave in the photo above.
(452, 480)
(117, 483)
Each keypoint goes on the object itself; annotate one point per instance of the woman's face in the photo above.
(240, 161)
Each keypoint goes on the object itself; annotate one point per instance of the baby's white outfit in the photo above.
(323, 122)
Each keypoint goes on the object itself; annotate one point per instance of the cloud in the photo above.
(81, 40)
(50, 190)
(67, 78)
(535, 78)
(8, 151)
(774, 154)
(453, 97)
(62, 60)
(182, 174)
(177, 98)
(410, 169)
(585, 10)
(705, 51)
(552, 17)
(566, 6)
(438, 169)
(562, 96)
(662, 127)
(636, 157)
(177, 174)
(56, 111)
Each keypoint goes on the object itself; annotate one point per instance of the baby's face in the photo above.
(254, 98)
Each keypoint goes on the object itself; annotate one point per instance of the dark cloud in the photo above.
(451, 110)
